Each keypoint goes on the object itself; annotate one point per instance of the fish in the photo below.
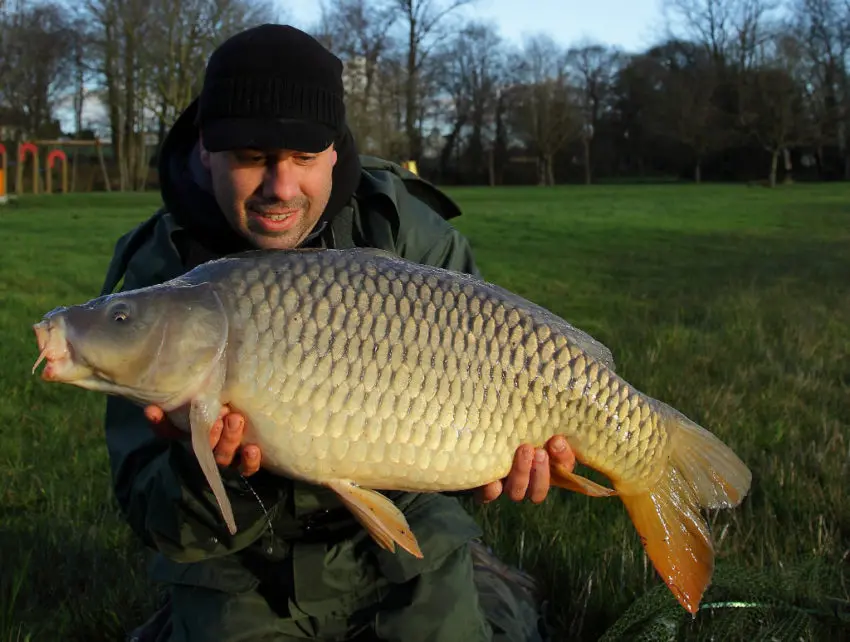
(361, 371)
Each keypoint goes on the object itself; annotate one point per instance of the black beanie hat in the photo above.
(271, 87)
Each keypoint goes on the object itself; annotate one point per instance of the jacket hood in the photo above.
(187, 190)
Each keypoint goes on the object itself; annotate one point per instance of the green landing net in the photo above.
(809, 602)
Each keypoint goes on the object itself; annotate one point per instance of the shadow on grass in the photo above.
(63, 581)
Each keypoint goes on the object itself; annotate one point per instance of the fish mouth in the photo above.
(54, 348)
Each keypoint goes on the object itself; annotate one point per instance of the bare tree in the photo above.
(729, 30)
(470, 64)
(683, 105)
(187, 33)
(390, 91)
(593, 68)
(149, 58)
(35, 46)
(708, 22)
(545, 110)
(119, 29)
(774, 106)
(823, 29)
(423, 21)
(721, 39)
(487, 66)
(359, 32)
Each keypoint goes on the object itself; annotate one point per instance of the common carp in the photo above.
(360, 371)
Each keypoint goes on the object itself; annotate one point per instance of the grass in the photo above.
(728, 302)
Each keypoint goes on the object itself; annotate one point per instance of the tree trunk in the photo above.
(588, 179)
(110, 67)
(499, 150)
(774, 163)
(788, 178)
(491, 166)
(129, 154)
(448, 147)
(698, 171)
(410, 95)
(476, 145)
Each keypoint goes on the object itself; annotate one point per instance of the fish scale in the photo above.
(462, 360)
(357, 370)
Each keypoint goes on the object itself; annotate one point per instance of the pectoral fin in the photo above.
(378, 515)
(202, 416)
(562, 478)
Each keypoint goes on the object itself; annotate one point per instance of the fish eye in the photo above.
(120, 313)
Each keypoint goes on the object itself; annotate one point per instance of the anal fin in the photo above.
(563, 478)
(378, 515)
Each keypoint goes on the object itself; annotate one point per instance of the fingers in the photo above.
(250, 460)
(516, 483)
(561, 453)
(218, 426)
(160, 424)
(154, 414)
(530, 476)
(215, 432)
(538, 485)
(231, 437)
(226, 439)
(489, 492)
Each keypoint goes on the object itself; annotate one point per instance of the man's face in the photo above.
(273, 198)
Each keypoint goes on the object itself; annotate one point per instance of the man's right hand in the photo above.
(225, 437)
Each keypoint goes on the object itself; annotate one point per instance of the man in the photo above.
(263, 158)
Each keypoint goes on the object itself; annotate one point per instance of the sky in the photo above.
(630, 24)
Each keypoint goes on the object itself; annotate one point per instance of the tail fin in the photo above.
(702, 472)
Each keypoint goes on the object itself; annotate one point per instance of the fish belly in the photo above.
(398, 376)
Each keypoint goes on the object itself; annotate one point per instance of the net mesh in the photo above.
(807, 602)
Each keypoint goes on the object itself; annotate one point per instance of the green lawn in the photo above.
(728, 302)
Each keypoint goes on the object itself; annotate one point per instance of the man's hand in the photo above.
(225, 437)
(529, 476)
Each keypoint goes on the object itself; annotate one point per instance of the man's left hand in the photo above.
(529, 476)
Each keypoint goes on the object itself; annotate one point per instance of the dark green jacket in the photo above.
(292, 535)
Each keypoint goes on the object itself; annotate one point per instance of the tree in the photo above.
(359, 32)
(592, 68)
(684, 106)
(423, 21)
(35, 46)
(544, 106)
(728, 30)
(773, 103)
(149, 58)
(823, 30)
(471, 63)
(634, 106)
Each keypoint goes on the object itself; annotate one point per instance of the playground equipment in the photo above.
(23, 150)
(51, 159)
(31, 148)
